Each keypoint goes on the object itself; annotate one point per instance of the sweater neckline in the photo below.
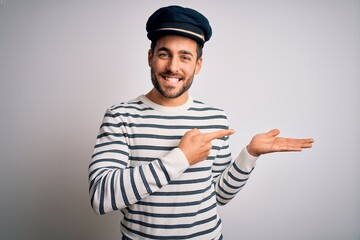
(160, 108)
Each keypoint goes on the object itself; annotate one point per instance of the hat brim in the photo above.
(154, 35)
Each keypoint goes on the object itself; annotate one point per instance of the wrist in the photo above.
(251, 151)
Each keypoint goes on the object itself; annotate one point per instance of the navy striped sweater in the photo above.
(138, 168)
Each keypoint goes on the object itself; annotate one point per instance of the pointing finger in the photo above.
(217, 134)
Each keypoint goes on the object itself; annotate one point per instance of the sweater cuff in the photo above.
(245, 161)
(175, 163)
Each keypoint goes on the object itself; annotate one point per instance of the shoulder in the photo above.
(204, 111)
(201, 106)
(131, 106)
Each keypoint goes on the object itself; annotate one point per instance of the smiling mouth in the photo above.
(171, 79)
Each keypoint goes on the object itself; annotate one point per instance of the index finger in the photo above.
(217, 134)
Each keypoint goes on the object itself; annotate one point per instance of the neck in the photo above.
(157, 98)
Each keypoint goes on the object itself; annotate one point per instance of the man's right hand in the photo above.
(197, 145)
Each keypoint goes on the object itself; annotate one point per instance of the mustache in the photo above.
(171, 74)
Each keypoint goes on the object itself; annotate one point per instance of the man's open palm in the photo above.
(269, 142)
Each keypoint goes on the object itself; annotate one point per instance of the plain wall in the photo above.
(292, 65)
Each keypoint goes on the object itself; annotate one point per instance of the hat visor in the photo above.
(154, 35)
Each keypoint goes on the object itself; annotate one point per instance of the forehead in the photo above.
(176, 43)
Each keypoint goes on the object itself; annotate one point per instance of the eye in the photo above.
(163, 55)
(185, 58)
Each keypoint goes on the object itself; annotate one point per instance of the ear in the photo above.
(198, 65)
(150, 57)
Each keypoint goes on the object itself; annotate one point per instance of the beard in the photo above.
(169, 92)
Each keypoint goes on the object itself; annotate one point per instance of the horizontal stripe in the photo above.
(111, 160)
(230, 185)
(179, 117)
(222, 164)
(174, 236)
(175, 226)
(158, 126)
(240, 171)
(111, 151)
(170, 215)
(190, 181)
(141, 108)
(110, 143)
(176, 204)
(237, 179)
(182, 193)
(197, 169)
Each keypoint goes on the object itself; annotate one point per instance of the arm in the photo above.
(235, 176)
(113, 184)
(230, 177)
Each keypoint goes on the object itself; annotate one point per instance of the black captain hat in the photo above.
(176, 20)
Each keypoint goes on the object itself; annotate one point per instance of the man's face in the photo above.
(173, 65)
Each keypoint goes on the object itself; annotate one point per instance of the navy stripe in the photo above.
(162, 166)
(204, 109)
(173, 236)
(182, 193)
(92, 181)
(92, 197)
(237, 179)
(110, 143)
(218, 172)
(131, 107)
(123, 192)
(178, 204)
(177, 226)
(112, 151)
(210, 117)
(152, 147)
(216, 148)
(171, 215)
(109, 124)
(102, 195)
(240, 171)
(108, 160)
(105, 134)
(157, 180)
(232, 186)
(190, 181)
(112, 188)
(143, 178)
(133, 185)
(222, 164)
(153, 136)
(141, 159)
(188, 127)
(224, 191)
(226, 199)
(203, 169)
(224, 156)
(225, 146)
(100, 172)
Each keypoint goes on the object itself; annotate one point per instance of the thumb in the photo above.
(273, 133)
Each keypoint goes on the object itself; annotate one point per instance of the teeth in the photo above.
(172, 80)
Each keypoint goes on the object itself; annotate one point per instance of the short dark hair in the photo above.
(199, 49)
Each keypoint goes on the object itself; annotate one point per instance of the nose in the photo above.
(173, 65)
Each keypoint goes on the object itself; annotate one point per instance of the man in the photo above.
(163, 159)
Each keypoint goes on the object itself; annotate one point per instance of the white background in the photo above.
(292, 65)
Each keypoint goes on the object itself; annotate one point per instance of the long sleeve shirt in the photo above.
(137, 168)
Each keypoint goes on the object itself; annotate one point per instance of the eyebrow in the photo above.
(181, 51)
